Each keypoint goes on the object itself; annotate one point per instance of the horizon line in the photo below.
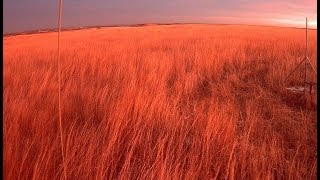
(70, 28)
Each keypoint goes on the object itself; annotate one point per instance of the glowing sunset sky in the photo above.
(39, 14)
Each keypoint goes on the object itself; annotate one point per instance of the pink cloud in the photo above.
(285, 12)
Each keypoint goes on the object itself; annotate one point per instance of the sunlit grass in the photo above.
(158, 102)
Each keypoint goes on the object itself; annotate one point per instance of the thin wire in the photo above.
(59, 82)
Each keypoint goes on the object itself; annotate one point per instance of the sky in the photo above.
(25, 15)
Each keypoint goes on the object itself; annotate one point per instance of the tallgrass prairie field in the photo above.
(159, 102)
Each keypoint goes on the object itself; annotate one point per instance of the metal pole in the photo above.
(306, 37)
(59, 90)
(305, 62)
(305, 66)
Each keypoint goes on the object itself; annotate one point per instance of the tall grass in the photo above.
(158, 102)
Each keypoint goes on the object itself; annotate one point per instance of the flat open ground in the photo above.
(159, 102)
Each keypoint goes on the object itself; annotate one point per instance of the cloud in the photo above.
(288, 12)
